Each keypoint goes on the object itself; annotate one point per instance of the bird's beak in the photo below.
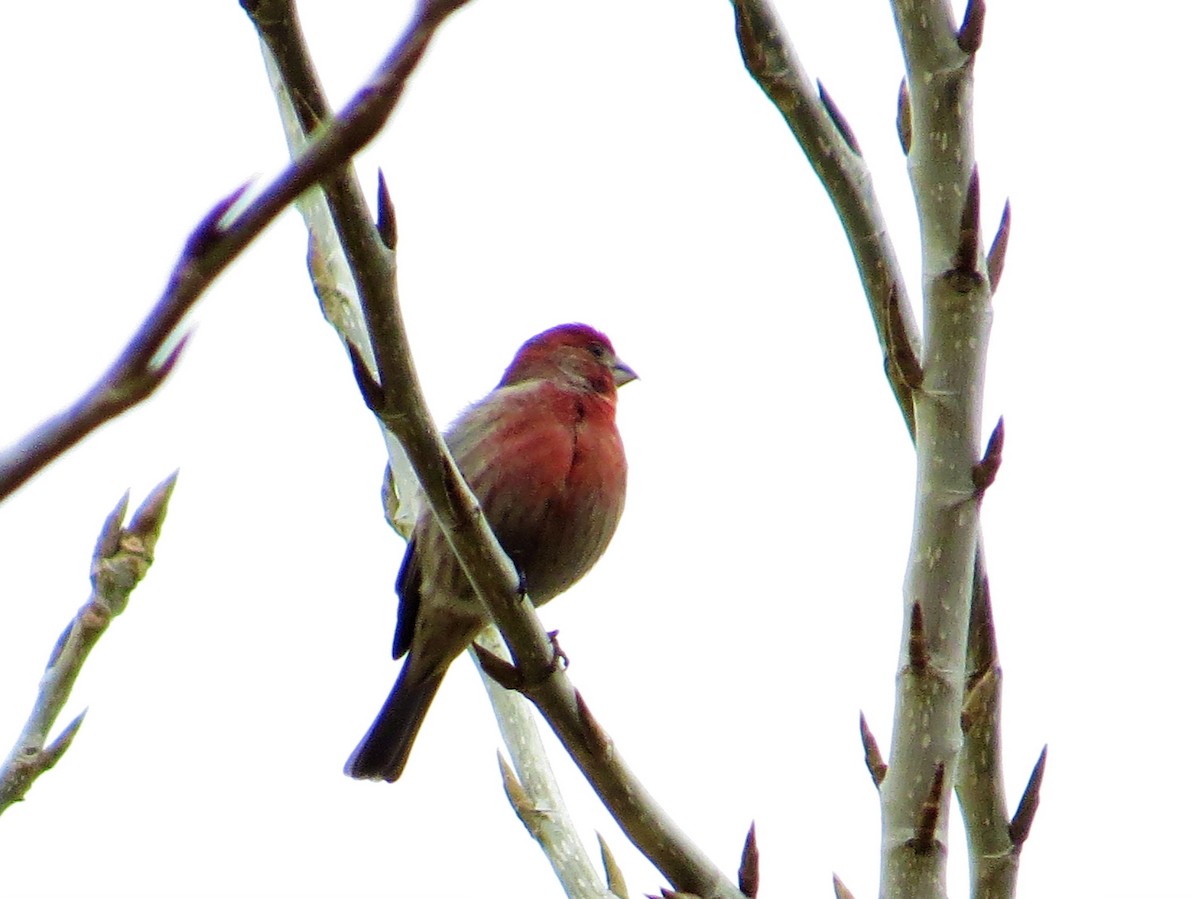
(622, 373)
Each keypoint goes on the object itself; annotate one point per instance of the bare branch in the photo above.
(772, 62)
(213, 245)
(119, 562)
(927, 734)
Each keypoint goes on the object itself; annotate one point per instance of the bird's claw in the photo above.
(552, 636)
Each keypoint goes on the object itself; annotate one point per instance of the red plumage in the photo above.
(542, 454)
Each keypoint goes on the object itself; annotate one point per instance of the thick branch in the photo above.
(121, 559)
(943, 558)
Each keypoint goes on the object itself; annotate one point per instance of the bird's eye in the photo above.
(596, 349)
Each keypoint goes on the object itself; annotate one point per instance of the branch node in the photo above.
(983, 473)
(871, 754)
(1022, 821)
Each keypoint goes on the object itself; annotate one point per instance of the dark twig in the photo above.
(748, 869)
(871, 754)
(120, 561)
(1022, 821)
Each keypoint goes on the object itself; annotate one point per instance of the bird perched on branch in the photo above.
(542, 454)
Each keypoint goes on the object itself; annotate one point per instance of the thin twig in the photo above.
(120, 561)
(213, 245)
(823, 134)
(543, 810)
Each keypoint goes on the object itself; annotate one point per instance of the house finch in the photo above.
(542, 454)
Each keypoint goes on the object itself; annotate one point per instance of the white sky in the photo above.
(610, 163)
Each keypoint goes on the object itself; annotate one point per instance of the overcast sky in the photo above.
(609, 163)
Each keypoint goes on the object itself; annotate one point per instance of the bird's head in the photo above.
(577, 354)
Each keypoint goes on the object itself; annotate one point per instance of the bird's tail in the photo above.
(383, 751)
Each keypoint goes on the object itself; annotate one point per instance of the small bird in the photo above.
(542, 454)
